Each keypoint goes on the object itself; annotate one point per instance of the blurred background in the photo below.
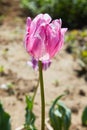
(72, 12)
(68, 72)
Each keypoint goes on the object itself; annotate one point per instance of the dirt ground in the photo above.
(59, 78)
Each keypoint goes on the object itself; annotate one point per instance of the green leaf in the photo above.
(29, 103)
(66, 115)
(84, 117)
(4, 119)
(60, 115)
(29, 116)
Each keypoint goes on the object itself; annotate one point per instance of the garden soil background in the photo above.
(59, 78)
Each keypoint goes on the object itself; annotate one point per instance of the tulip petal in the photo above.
(55, 37)
(38, 49)
(28, 21)
(34, 64)
(39, 20)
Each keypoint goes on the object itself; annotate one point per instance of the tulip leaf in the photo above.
(4, 119)
(60, 115)
(29, 116)
(84, 117)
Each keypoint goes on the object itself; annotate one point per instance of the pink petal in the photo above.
(39, 20)
(61, 41)
(29, 21)
(55, 37)
(47, 18)
(38, 49)
(63, 30)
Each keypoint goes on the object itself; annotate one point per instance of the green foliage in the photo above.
(84, 117)
(29, 117)
(60, 115)
(73, 12)
(4, 119)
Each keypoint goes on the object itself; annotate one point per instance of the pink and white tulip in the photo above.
(44, 37)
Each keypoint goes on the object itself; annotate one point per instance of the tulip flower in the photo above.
(44, 37)
(43, 40)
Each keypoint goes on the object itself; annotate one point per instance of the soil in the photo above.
(59, 78)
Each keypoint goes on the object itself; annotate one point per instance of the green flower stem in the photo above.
(35, 90)
(42, 97)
